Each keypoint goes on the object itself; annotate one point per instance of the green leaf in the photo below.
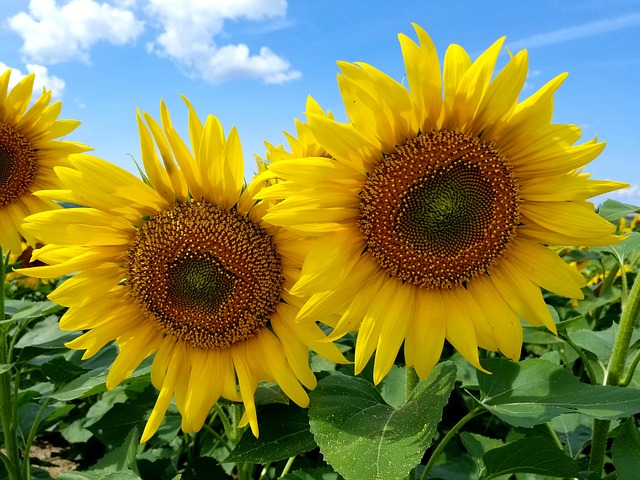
(59, 370)
(28, 310)
(627, 251)
(393, 387)
(5, 367)
(477, 445)
(122, 475)
(45, 334)
(325, 473)
(121, 457)
(270, 392)
(284, 433)
(534, 391)
(613, 210)
(600, 343)
(202, 467)
(537, 455)
(362, 437)
(574, 431)
(88, 383)
(625, 451)
(461, 467)
(118, 422)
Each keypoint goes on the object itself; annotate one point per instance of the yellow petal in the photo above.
(248, 384)
(329, 262)
(543, 267)
(524, 297)
(141, 342)
(394, 330)
(175, 368)
(377, 313)
(205, 387)
(426, 333)
(460, 331)
(504, 322)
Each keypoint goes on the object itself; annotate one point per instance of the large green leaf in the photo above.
(284, 432)
(362, 437)
(626, 451)
(534, 391)
(537, 455)
(613, 210)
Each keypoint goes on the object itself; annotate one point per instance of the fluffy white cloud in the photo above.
(185, 31)
(55, 33)
(43, 79)
(188, 36)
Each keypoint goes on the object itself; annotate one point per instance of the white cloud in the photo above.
(185, 31)
(579, 31)
(43, 79)
(55, 33)
(188, 37)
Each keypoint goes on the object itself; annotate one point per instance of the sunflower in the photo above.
(28, 153)
(22, 259)
(183, 266)
(434, 207)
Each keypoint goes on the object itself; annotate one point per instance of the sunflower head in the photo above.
(181, 266)
(29, 150)
(434, 205)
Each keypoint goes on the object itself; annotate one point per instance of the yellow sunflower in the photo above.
(22, 259)
(182, 266)
(28, 152)
(435, 206)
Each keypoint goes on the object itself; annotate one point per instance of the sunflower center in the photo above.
(204, 275)
(440, 210)
(18, 165)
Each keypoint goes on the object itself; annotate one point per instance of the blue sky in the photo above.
(252, 63)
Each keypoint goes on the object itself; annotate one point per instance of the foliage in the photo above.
(544, 417)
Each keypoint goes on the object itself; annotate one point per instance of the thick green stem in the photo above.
(447, 438)
(615, 373)
(628, 318)
(12, 458)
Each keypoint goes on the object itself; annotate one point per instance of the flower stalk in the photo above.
(615, 373)
(8, 407)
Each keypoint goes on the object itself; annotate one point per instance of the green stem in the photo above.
(632, 368)
(26, 464)
(609, 278)
(287, 467)
(628, 318)
(583, 356)
(228, 429)
(447, 438)
(554, 436)
(615, 373)
(625, 285)
(12, 457)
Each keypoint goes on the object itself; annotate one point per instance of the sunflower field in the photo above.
(425, 290)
